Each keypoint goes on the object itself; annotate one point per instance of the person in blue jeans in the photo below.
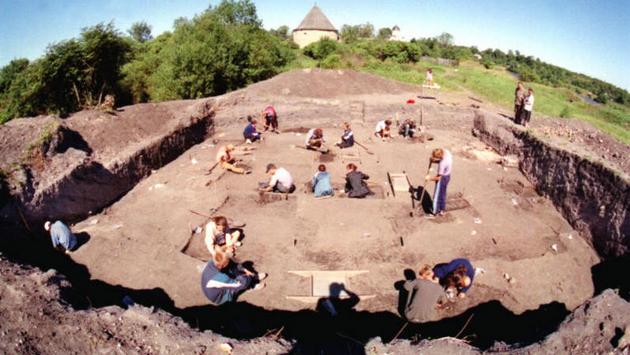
(444, 159)
(458, 274)
(321, 182)
(61, 236)
(223, 281)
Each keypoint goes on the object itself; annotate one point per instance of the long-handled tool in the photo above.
(425, 184)
(364, 147)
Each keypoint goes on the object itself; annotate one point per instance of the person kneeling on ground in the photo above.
(250, 133)
(220, 236)
(223, 281)
(271, 118)
(408, 128)
(425, 297)
(280, 180)
(227, 162)
(61, 236)
(321, 182)
(444, 158)
(347, 139)
(456, 276)
(315, 140)
(383, 130)
(356, 187)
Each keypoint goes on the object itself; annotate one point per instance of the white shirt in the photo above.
(529, 102)
(380, 126)
(283, 177)
(444, 167)
(211, 232)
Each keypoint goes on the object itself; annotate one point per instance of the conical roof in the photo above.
(316, 20)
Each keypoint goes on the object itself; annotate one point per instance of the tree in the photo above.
(9, 73)
(351, 33)
(140, 32)
(282, 32)
(445, 39)
(384, 33)
(237, 12)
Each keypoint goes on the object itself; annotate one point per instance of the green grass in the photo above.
(497, 86)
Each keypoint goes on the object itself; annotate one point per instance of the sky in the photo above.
(586, 36)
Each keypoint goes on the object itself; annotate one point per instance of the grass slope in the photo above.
(497, 86)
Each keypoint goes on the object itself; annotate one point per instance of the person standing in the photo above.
(444, 159)
(222, 281)
(528, 106)
(519, 98)
(429, 77)
(61, 236)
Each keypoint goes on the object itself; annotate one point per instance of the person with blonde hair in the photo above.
(219, 235)
(347, 138)
(226, 161)
(222, 280)
(425, 297)
(444, 159)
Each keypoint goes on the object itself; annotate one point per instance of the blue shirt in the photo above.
(216, 295)
(441, 270)
(249, 131)
(322, 185)
(60, 234)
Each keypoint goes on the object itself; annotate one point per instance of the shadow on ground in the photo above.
(313, 331)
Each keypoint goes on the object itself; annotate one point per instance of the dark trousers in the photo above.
(439, 198)
(271, 121)
(525, 117)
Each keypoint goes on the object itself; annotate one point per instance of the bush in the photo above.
(333, 61)
(321, 49)
(566, 112)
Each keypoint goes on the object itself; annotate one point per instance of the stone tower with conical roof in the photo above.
(314, 27)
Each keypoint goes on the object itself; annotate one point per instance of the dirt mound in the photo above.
(326, 84)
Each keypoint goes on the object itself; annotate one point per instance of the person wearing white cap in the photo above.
(61, 236)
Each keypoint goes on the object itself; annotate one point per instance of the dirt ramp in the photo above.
(325, 84)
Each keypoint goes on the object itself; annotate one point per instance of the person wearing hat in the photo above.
(444, 159)
(227, 162)
(222, 280)
(280, 180)
(61, 236)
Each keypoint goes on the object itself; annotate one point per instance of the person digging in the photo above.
(444, 159)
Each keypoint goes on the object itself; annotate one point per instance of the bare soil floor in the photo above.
(508, 229)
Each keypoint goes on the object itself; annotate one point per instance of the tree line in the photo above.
(222, 49)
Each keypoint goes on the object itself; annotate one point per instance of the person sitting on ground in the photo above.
(321, 182)
(383, 129)
(457, 275)
(528, 106)
(220, 236)
(250, 133)
(425, 297)
(61, 236)
(280, 180)
(347, 139)
(429, 77)
(356, 187)
(408, 128)
(227, 162)
(223, 281)
(315, 140)
(444, 159)
(271, 118)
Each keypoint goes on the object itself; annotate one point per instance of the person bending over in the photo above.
(250, 133)
(456, 276)
(408, 128)
(271, 118)
(356, 187)
(315, 140)
(280, 180)
(61, 237)
(383, 130)
(425, 297)
(222, 280)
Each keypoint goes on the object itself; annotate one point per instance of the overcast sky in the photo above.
(586, 36)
